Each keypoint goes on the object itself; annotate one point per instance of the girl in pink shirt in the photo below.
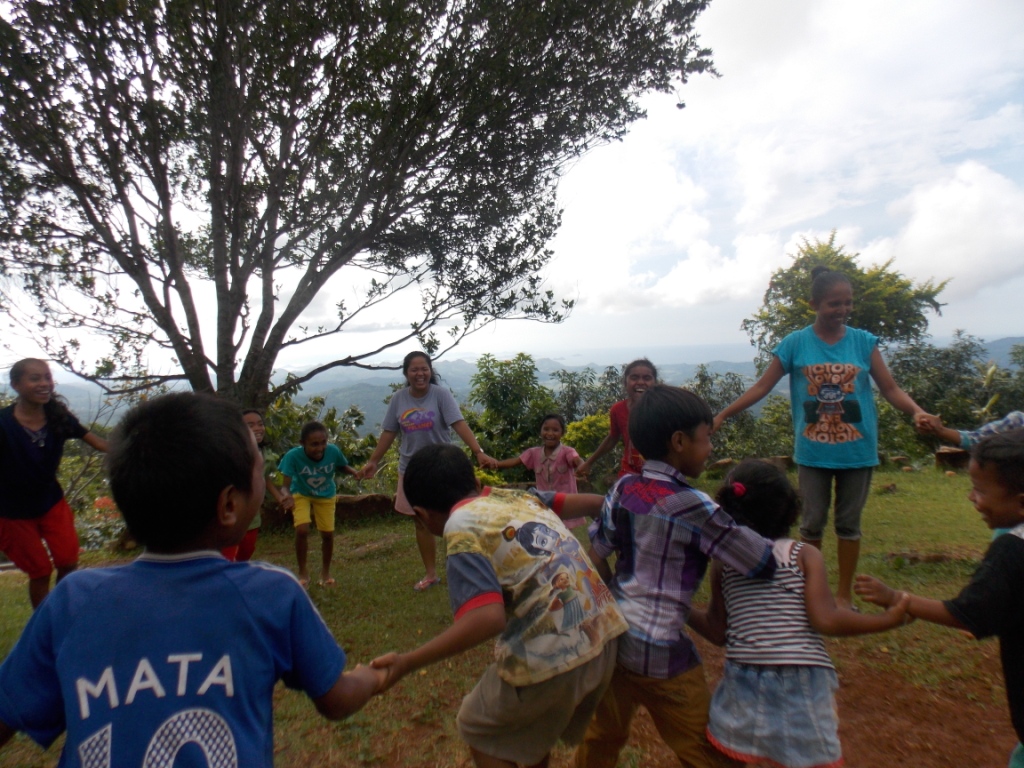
(553, 464)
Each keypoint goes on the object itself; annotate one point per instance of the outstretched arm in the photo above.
(469, 630)
(829, 618)
(606, 445)
(507, 463)
(97, 442)
(466, 434)
(772, 376)
(877, 592)
(891, 390)
(350, 692)
(931, 424)
(369, 469)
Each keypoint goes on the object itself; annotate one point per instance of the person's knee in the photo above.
(302, 531)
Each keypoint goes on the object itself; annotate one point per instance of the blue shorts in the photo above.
(785, 714)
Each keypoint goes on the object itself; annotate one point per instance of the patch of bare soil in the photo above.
(887, 722)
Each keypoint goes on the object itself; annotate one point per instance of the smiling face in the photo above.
(835, 307)
(998, 505)
(315, 445)
(551, 433)
(639, 379)
(35, 385)
(255, 424)
(418, 374)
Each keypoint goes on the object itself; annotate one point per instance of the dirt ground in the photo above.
(886, 722)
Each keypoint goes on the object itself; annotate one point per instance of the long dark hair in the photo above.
(58, 416)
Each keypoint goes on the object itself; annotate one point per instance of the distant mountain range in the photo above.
(343, 387)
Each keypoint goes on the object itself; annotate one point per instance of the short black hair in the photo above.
(759, 495)
(557, 417)
(311, 428)
(169, 460)
(1005, 453)
(438, 477)
(661, 412)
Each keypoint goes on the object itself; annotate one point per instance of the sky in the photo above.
(898, 125)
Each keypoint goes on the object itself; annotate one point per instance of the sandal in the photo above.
(426, 583)
(328, 582)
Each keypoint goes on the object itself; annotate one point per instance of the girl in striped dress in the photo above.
(776, 701)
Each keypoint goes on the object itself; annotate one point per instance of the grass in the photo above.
(923, 536)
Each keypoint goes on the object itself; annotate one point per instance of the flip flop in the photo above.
(424, 584)
(328, 582)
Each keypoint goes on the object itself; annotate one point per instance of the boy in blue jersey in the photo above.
(173, 658)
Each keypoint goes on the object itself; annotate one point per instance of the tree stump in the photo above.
(952, 458)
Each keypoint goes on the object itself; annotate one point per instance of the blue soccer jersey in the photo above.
(168, 661)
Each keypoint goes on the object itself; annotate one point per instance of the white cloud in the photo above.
(968, 226)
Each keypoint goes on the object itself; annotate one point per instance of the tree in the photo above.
(886, 303)
(958, 382)
(190, 176)
(513, 404)
(582, 393)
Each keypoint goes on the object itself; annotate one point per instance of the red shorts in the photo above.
(242, 551)
(22, 541)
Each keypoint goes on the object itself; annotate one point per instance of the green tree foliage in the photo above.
(749, 433)
(190, 176)
(885, 302)
(512, 404)
(958, 382)
(585, 435)
(582, 393)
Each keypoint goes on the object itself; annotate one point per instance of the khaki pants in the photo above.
(679, 708)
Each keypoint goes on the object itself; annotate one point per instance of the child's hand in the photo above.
(378, 677)
(898, 610)
(716, 423)
(874, 591)
(927, 423)
(287, 502)
(583, 471)
(391, 666)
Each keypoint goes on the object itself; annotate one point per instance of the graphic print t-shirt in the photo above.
(506, 545)
(421, 420)
(313, 478)
(834, 416)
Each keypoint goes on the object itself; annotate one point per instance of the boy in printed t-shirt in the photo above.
(308, 471)
(515, 573)
(173, 659)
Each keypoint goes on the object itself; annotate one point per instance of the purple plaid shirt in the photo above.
(663, 532)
